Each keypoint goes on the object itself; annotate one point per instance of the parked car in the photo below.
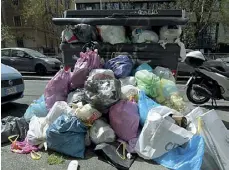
(24, 59)
(12, 87)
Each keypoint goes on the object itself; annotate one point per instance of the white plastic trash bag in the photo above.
(165, 73)
(129, 91)
(36, 134)
(160, 135)
(216, 138)
(112, 34)
(101, 132)
(128, 81)
(170, 34)
(37, 127)
(143, 36)
(101, 74)
(59, 108)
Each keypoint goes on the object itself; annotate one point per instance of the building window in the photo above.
(15, 2)
(20, 42)
(17, 21)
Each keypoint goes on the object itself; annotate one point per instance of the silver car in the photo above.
(24, 59)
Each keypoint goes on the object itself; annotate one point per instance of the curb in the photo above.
(179, 80)
(36, 78)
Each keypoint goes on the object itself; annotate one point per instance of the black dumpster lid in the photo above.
(123, 17)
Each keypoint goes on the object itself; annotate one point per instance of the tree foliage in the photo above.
(39, 13)
(6, 33)
(203, 14)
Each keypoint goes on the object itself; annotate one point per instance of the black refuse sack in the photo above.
(13, 126)
(85, 33)
(102, 93)
(108, 154)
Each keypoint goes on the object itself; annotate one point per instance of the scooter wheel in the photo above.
(191, 94)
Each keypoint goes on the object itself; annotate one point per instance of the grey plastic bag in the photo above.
(102, 93)
(13, 126)
(85, 33)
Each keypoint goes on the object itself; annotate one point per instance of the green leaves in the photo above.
(6, 33)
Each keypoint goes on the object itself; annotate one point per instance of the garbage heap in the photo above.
(110, 105)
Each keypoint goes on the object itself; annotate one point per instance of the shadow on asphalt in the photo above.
(221, 108)
(13, 109)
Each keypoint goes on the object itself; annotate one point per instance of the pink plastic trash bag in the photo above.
(124, 119)
(90, 59)
(79, 76)
(57, 88)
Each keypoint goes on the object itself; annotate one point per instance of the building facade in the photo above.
(25, 35)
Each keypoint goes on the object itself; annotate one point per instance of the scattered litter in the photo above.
(55, 159)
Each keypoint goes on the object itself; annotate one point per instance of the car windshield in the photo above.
(36, 53)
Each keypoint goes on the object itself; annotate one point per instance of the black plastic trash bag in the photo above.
(85, 33)
(13, 126)
(102, 93)
(108, 153)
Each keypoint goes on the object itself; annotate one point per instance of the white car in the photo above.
(12, 87)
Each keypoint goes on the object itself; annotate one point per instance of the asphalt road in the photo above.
(34, 89)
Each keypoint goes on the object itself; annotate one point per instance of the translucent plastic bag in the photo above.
(101, 132)
(129, 92)
(112, 34)
(184, 157)
(37, 108)
(57, 88)
(144, 36)
(144, 66)
(76, 96)
(170, 34)
(145, 104)
(164, 73)
(101, 74)
(128, 81)
(168, 95)
(148, 82)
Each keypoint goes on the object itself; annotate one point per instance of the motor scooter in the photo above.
(206, 82)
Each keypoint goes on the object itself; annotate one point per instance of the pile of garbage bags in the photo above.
(120, 34)
(110, 106)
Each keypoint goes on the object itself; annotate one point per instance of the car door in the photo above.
(6, 57)
(22, 61)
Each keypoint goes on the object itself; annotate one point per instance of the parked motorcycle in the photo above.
(207, 82)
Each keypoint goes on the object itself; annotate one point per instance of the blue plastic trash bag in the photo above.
(188, 158)
(37, 108)
(143, 66)
(67, 135)
(145, 104)
(121, 65)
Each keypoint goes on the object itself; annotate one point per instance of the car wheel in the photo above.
(40, 70)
